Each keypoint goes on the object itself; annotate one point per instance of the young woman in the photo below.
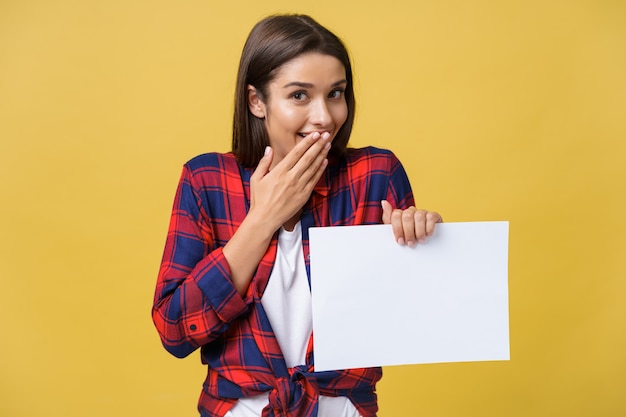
(234, 280)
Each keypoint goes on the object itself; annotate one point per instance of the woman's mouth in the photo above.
(305, 134)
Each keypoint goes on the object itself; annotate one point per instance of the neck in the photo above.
(291, 223)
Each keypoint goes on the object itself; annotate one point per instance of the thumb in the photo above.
(264, 164)
(387, 209)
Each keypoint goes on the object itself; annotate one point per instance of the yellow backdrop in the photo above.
(510, 110)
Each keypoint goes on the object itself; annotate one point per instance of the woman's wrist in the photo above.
(260, 225)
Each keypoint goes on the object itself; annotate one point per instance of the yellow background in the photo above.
(500, 110)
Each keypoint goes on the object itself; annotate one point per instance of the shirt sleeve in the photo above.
(195, 299)
(399, 192)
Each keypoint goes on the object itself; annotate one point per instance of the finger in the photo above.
(386, 218)
(408, 226)
(308, 166)
(419, 221)
(301, 148)
(264, 165)
(310, 161)
(432, 218)
(318, 174)
(396, 226)
(313, 171)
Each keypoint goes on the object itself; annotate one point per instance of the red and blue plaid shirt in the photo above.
(196, 304)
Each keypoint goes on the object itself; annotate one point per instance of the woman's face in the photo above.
(305, 96)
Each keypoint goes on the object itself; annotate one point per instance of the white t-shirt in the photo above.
(287, 302)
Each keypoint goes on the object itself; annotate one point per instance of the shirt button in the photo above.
(192, 327)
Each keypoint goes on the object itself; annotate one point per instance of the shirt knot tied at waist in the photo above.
(296, 395)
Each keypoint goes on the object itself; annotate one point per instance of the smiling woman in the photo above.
(234, 280)
(305, 97)
(272, 46)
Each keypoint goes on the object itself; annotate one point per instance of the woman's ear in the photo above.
(255, 104)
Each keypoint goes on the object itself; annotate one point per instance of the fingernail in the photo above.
(267, 150)
(401, 241)
(410, 243)
(325, 135)
(327, 145)
(316, 135)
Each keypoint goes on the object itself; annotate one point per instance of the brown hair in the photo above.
(272, 42)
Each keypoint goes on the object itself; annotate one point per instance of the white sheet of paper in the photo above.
(376, 303)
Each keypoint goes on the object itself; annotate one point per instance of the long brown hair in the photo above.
(272, 42)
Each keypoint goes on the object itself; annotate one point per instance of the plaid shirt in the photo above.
(196, 304)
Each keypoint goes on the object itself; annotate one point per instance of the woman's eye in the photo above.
(336, 93)
(299, 95)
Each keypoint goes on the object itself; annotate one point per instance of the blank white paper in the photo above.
(376, 303)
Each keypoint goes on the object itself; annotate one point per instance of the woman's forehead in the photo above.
(311, 66)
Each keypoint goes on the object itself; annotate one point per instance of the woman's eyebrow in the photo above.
(298, 84)
(309, 85)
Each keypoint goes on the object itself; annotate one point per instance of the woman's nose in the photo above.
(320, 114)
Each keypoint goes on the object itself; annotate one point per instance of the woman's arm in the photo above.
(202, 289)
(276, 197)
(194, 299)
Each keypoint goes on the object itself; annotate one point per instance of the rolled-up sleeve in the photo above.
(399, 192)
(195, 300)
